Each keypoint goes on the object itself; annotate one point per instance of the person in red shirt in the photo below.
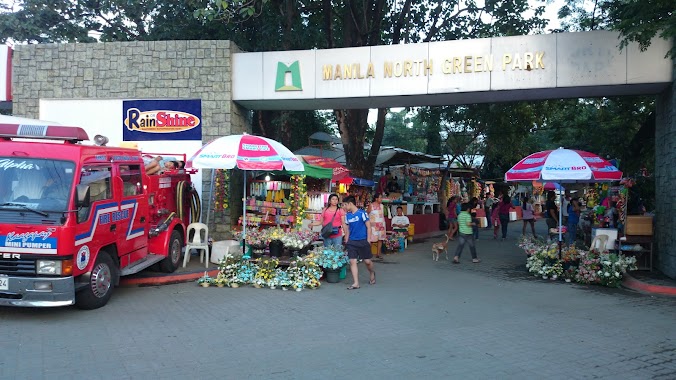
(503, 213)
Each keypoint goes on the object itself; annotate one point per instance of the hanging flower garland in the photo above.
(222, 189)
(297, 198)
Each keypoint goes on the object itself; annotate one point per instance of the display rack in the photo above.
(644, 256)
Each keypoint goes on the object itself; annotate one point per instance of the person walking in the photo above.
(377, 217)
(336, 216)
(474, 205)
(503, 213)
(528, 214)
(358, 236)
(465, 235)
(452, 214)
(573, 219)
(488, 206)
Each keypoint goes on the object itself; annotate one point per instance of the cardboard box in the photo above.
(639, 225)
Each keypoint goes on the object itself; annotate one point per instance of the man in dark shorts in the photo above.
(357, 238)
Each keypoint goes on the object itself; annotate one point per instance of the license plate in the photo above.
(4, 283)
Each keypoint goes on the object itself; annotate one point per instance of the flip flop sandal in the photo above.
(373, 282)
(456, 261)
(353, 287)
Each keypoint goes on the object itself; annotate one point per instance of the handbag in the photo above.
(327, 229)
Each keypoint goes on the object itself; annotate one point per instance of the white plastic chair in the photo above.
(198, 238)
(600, 242)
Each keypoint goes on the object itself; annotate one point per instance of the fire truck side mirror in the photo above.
(83, 197)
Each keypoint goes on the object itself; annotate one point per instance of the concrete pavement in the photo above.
(423, 319)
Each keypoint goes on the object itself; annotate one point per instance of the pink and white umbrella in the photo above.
(247, 152)
(563, 166)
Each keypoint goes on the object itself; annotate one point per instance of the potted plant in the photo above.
(332, 259)
(273, 237)
(205, 281)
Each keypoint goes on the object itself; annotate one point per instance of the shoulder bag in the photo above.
(327, 229)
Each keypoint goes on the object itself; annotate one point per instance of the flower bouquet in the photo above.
(534, 264)
(569, 274)
(296, 240)
(530, 244)
(553, 271)
(221, 280)
(295, 276)
(274, 233)
(282, 278)
(613, 267)
(332, 257)
(228, 267)
(589, 268)
(392, 243)
(310, 270)
(205, 280)
(266, 271)
(246, 272)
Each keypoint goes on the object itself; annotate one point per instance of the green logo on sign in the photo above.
(288, 77)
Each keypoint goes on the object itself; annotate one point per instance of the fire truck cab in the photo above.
(76, 217)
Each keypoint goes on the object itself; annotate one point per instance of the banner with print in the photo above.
(149, 120)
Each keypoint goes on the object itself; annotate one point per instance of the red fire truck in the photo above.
(76, 217)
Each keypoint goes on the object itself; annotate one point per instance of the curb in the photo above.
(166, 279)
(634, 284)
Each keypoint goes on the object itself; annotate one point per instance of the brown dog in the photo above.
(437, 248)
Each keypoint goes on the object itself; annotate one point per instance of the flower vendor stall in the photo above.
(250, 153)
(282, 198)
(575, 265)
(563, 166)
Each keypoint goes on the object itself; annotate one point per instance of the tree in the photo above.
(402, 132)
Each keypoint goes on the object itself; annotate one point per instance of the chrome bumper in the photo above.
(21, 292)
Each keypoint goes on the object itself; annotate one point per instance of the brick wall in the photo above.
(135, 70)
(665, 180)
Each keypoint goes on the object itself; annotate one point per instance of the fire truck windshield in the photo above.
(38, 184)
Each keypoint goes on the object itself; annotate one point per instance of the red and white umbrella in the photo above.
(247, 152)
(563, 166)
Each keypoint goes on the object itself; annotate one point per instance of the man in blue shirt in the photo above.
(357, 238)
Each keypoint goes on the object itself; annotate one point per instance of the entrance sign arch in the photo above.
(564, 65)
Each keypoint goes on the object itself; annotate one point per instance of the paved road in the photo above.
(423, 319)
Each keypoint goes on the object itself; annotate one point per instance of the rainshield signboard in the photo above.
(149, 120)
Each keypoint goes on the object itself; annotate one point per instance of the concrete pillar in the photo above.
(665, 180)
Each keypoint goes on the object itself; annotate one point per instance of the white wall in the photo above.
(104, 117)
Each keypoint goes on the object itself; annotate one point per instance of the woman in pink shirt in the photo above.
(338, 221)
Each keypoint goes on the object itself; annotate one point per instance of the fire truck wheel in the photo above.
(100, 286)
(173, 260)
